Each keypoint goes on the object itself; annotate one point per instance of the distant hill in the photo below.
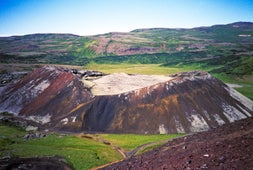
(228, 46)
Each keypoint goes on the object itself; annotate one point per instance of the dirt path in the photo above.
(125, 154)
(143, 147)
(101, 140)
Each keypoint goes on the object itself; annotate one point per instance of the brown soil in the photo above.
(227, 147)
(45, 163)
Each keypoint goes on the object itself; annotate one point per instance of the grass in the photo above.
(247, 90)
(10, 132)
(246, 83)
(81, 153)
(225, 78)
(149, 148)
(131, 141)
(155, 69)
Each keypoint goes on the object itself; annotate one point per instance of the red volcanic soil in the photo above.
(227, 147)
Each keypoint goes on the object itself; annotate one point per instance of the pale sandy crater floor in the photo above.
(118, 83)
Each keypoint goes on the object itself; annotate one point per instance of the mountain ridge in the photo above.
(49, 36)
(138, 29)
(230, 45)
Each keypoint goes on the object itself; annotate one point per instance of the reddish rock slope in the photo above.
(46, 95)
(226, 147)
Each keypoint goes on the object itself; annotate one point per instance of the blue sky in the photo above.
(89, 17)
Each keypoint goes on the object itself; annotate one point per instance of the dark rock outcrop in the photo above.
(43, 163)
(46, 95)
(188, 102)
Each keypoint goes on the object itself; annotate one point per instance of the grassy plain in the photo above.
(149, 69)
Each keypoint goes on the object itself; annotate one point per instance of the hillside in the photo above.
(120, 103)
(140, 41)
(225, 147)
(229, 45)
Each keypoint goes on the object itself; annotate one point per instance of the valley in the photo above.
(83, 102)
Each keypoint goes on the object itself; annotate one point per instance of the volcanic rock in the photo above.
(46, 95)
(37, 163)
(61, 99)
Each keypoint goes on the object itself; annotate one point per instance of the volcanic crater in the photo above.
(82, 100)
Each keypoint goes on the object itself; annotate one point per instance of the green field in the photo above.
(149, 69)
(81, 153)
(136, 68)
(129, 142)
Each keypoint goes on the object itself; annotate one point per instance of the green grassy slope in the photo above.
(183, 43)
(129, 141)
(81, 153)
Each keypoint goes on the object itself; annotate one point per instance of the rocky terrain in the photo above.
(44, 163)
(226, 147)
(81, 100)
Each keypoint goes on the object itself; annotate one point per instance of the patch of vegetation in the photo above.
(81, 153)
(236, 65)
(83, 50)
(246, 90)
(131, 141)
(157, 58)
(246, 85)
(148, 69)
(149, 148)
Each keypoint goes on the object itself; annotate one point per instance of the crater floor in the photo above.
(118, 83)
